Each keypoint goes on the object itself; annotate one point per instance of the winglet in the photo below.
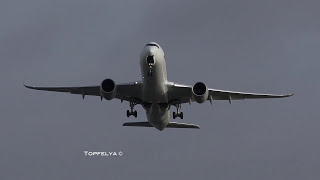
(288, 95)
(30, 87)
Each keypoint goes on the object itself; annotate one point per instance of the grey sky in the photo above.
(256, 46)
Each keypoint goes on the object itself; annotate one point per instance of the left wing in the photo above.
(226, 95)
(127, 91)
(179, 94)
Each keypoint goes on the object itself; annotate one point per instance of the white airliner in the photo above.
(155, 93)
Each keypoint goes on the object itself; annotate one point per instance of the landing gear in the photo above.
(150, 62)
(132, 112)
(150, 71)
(178, 113)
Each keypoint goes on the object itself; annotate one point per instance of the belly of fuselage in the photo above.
(155, 96)
(157, 117)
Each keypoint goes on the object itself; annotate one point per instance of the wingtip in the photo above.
(289, 95)
(30, 87)
(195, 126)
(286, 95)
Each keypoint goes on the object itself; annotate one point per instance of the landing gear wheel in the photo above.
(132, 112)
(178, 113)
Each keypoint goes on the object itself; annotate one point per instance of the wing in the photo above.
(85, 90)
(127, 91)
(179, 94)
(217, 94)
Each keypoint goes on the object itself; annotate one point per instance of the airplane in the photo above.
(155, 93)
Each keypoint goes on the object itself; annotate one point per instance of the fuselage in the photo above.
(154, 82)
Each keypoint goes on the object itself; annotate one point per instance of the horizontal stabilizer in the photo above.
(170, 125)
(138, 124)
(182, 125)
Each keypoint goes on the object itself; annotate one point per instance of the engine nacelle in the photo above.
(200, 92)
(108, 89)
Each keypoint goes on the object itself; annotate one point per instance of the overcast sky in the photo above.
(250, 45)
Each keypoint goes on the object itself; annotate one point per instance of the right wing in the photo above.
(125, 91)
(84, 90)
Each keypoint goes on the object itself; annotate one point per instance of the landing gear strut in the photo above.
(178, 113)
(132, 112)
(150, 73)
(150, 62)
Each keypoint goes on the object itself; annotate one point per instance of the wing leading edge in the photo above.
(177, 94)
(85, 90)
(226, 95)
(183, 94)
(125, 91)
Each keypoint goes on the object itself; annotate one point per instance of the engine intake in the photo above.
(108, 89)
(200, 92)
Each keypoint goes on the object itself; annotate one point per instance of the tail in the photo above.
(170, 125)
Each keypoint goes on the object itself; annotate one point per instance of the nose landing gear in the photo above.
(150, 62)
(178, 113)
(150, 71)
(132, 112)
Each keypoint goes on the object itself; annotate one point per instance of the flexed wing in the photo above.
(85, 90)
(217, 94)
(179, 94)
(125, 91)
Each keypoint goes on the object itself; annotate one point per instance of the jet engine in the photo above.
(108, 89)
(200, 92)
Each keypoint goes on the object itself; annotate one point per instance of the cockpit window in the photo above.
(152, 45)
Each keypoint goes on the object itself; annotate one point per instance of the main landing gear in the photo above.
(132, 112)
(178, 113)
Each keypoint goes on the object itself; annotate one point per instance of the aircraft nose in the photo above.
(151, 51)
